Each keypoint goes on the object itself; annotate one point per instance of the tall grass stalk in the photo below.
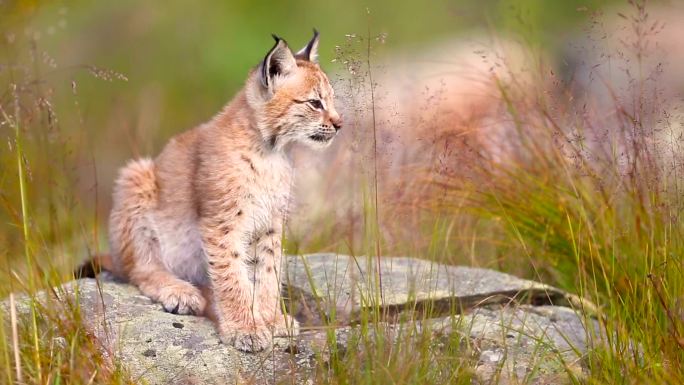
(14, 123)
(376, 201)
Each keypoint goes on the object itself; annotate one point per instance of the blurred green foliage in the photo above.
(183, 60)
(187, 58)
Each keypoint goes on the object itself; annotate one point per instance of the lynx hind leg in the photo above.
(135, 243)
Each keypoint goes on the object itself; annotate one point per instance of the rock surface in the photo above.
(349, 284)
(164, 348)
(522, 331)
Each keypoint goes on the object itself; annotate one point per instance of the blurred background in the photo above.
(123, 77)
(102, 82)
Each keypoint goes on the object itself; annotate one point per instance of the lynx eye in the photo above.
(315, 103)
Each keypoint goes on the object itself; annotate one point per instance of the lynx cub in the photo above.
(209, 210)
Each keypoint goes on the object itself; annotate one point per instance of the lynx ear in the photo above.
(310, 51)
(278, 62)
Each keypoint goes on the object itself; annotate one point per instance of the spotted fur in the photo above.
(209, 210)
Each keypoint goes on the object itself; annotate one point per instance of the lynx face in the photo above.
(294, 96)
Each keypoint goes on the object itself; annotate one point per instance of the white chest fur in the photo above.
(269, 190)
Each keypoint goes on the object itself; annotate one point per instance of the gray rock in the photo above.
(164, 348)
(517, 331)
(347, 284)
(529, 344)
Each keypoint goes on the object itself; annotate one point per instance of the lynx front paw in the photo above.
(182, 299)
(248, 341)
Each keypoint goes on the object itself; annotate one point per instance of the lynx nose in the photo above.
(336, 121)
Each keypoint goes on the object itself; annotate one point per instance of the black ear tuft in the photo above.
(310, 51)
(278, 61)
